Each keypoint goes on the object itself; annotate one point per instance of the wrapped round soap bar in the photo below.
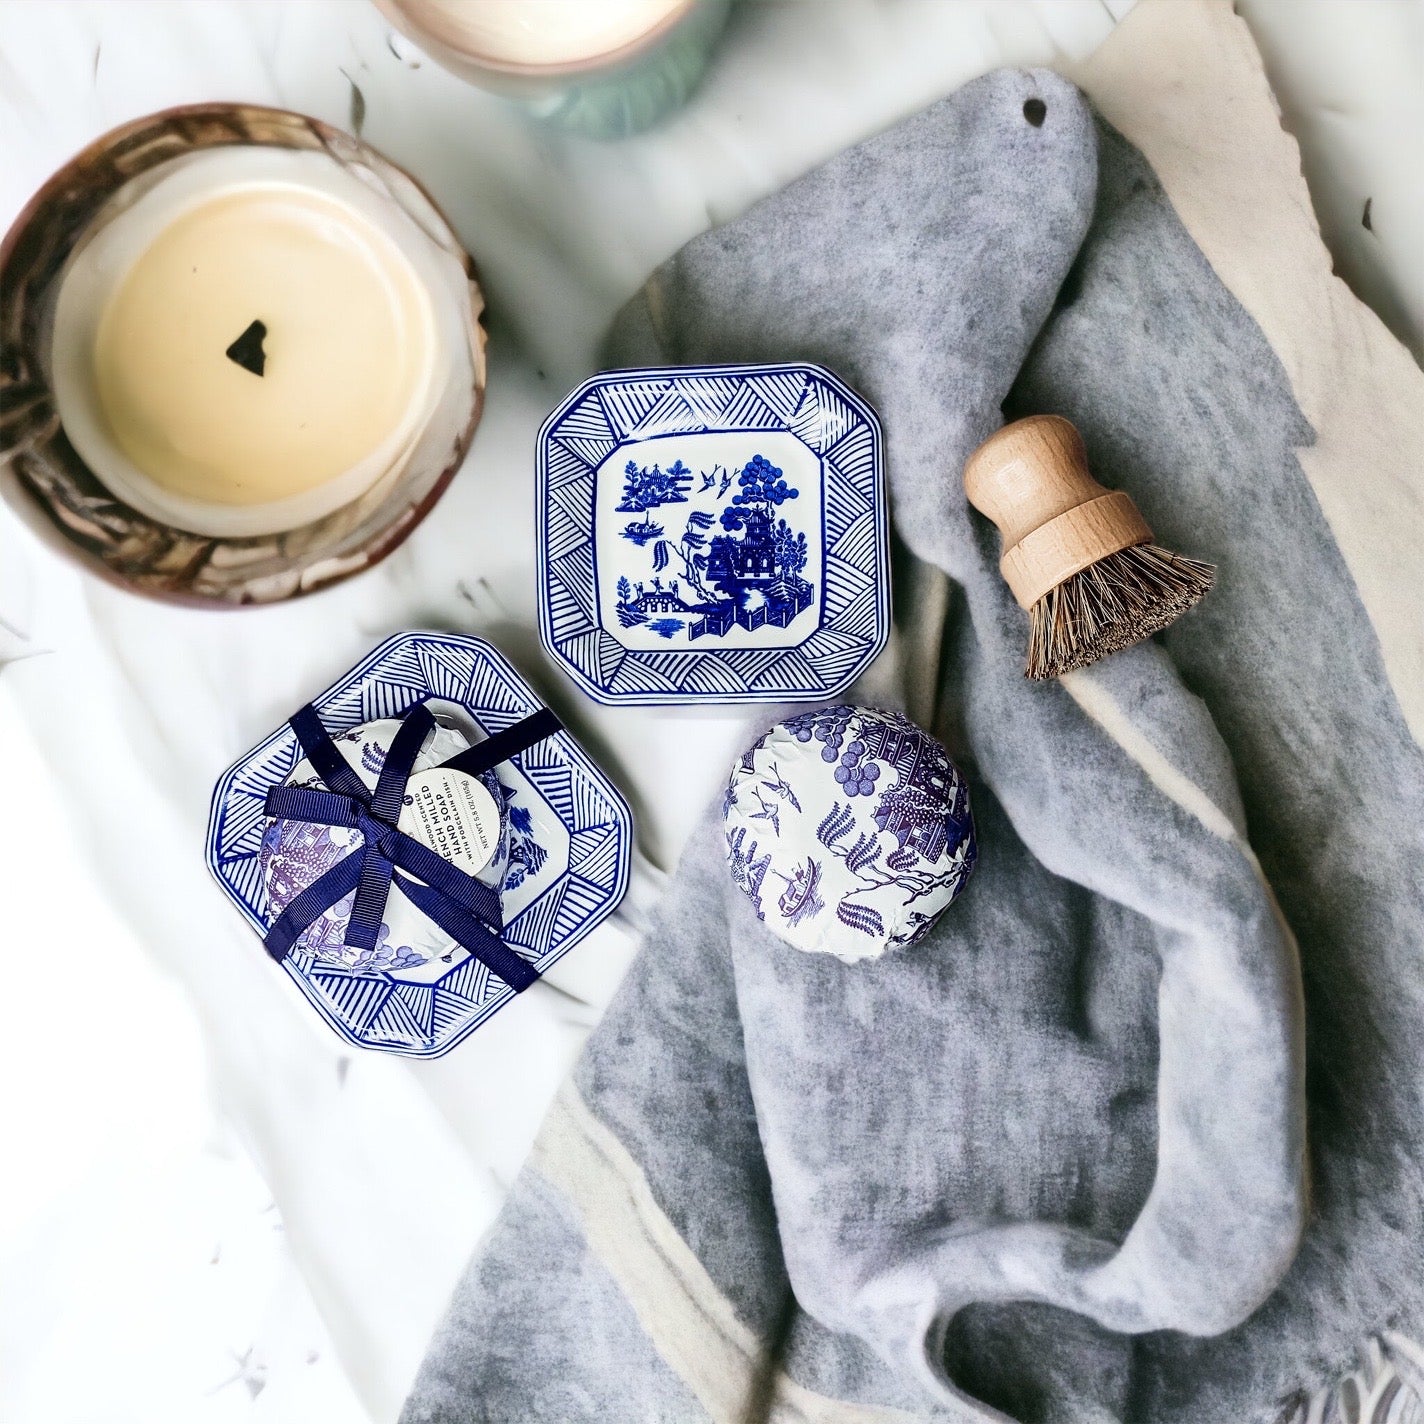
(849, 830)
(460, 817)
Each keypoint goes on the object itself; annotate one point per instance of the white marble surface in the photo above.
(209, 1209)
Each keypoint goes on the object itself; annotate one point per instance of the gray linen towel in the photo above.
(1049, 1165)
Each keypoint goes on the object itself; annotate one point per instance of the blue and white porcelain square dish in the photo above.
(570, 845)
(713, 534)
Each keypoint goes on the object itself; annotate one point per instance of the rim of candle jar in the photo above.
(18, 401)
(445, 49)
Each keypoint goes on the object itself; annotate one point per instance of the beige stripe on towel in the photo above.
(1232, 173)
(690, 1323)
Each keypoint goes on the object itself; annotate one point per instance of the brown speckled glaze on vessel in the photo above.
(43, 478)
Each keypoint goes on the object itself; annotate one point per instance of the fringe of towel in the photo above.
(1387, 1388)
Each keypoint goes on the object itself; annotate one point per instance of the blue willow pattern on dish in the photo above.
(748, 576)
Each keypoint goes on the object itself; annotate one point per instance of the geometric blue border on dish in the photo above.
(621, 407)
(554, 781)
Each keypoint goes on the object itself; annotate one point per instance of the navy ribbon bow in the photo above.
(468, 911)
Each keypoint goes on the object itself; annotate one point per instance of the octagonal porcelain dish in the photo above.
(570, 854)
(713, 534)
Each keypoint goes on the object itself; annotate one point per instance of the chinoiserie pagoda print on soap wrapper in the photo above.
(713, 534)
(849, 830)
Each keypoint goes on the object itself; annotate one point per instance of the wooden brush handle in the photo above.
(1032, 480)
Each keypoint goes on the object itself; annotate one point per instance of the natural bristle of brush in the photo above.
(1111, 605)
(1079, 558)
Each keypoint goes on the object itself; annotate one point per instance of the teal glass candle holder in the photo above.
(605, 95)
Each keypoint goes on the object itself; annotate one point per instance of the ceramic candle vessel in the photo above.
(80, 431)
(604, 68)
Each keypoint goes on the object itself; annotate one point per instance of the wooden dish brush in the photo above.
(1078, 557)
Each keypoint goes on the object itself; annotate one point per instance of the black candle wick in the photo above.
(247, 349)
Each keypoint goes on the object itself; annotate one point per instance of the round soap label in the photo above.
(454, 814)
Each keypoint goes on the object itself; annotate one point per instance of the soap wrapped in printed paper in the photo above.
(460, 817)
(447, 940)
(849, 830)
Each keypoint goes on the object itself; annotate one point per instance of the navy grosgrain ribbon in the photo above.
(468, 911)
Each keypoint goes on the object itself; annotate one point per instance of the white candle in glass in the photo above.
(536, 33)
(196, 416)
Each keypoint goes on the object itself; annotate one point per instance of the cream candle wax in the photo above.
(600, 67)
(249, 343)
(541, 33)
